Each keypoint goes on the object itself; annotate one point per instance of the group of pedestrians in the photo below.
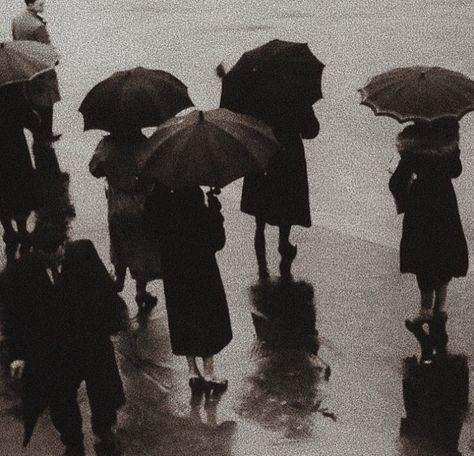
(61, 306)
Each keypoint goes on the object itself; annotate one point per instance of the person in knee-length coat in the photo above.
(433, 245)
(43, 89)
(190, 233)
(60, 308)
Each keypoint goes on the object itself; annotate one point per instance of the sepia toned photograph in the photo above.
(236, 228)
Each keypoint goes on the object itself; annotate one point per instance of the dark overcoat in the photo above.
(281, 197)
(62, 330)
(433, 242)
(44, 88)
(190, 233)
(19, 187)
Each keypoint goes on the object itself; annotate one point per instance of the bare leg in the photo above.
(287, 251)
(440, 298)
(192, 367)
(426, 304)
(260, 249)
(144, 300)
(213, 384)
(208, 363)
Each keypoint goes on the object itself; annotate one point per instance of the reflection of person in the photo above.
(115, 159)
(44, 89)
(190, 233)
(433, 245)
(19, 190)
(61, 308)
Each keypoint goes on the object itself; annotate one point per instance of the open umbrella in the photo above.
(279, 72)
(23, 60)
(210, 148)
(136, 98)
(419, 93)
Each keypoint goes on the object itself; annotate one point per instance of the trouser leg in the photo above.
(66, 415)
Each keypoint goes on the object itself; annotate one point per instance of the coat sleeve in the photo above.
(398, 183)
(216, 230)
(112, 314)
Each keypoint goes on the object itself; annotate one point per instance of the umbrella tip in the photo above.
(201, 116)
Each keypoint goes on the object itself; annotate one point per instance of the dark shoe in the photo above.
(263, 273)
(288, 254)
(416, 328)
(145, 302)
(55, 137)
(108, 445)
(197, 385)
(216, 386)
(75, 450)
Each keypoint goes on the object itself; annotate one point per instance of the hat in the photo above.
(47, 237)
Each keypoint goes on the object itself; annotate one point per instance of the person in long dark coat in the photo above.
(190, 233)
(20, 191)
(281, 196)
(433, 245)
(60, 309)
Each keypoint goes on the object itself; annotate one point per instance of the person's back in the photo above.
(28, 26)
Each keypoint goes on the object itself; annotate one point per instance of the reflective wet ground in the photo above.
(279, 402)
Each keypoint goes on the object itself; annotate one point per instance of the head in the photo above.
(37, 6)
(48, 243)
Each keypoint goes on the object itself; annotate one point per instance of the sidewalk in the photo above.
(361, 302)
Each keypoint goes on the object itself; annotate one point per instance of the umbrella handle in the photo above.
(214, 191)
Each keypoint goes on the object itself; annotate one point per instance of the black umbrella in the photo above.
(136, 98)
(273, 76)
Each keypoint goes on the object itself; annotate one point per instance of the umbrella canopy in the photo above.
(136, 98)
(419, 93)
(277, 72)
(210, 148)
(23, 60)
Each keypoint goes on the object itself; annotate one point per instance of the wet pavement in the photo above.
(279, 401)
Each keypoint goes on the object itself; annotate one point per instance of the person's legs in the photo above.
(120, 273)
(426, 288)
(144, 300)
(66, 418)
(212, 383)
(260, 248)
(10, 237)
(287, 251)
(441, 293)
(193, 367)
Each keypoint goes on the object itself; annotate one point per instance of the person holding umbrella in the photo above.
(210, 148)
(433, 245)
(43, 89)
(277, 83)
(122, 104)
(115, 159)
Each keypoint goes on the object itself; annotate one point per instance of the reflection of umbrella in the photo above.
(136, 98)
(279, 72)
(212, 148)
(419, 93)
(23, 60)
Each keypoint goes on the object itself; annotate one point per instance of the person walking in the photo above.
(43, 89)
(433, 245)
(20, 190)
(60, 310)
(190, 233)
(115, 159)
(281, 196)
